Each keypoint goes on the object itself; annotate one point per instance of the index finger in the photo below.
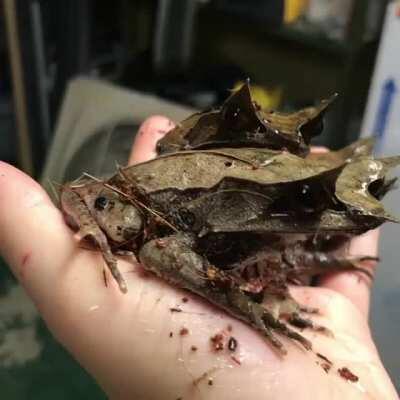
(150, 132)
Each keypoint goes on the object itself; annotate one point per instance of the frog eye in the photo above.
(101, 203)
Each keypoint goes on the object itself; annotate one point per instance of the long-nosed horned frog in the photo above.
(235, 209)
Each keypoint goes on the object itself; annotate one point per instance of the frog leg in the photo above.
(276, 288)
(275, 295)
(299, 321)
(177, 263)
(310, 263)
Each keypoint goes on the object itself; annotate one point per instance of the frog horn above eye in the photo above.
(75, 208)
(353, 184)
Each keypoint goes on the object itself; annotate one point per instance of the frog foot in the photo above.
(267, 322)
(298, 321)
(289, 310)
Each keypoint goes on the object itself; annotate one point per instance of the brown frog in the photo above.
(236, 225)
(240, 122)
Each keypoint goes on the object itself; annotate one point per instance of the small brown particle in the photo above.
(175, 309)
(326, 367)
(237, 361)
(217, 342)
(345, 373)
(171, 334)
(184, 331)
(204, 376)
(326, 359)
(232, 344)
(185, 299)
(229, 328)
(211, 273)
(193, 348)
(210, 381)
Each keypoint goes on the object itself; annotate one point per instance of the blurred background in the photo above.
(79, 76)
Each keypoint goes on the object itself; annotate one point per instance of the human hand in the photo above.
(125, 341)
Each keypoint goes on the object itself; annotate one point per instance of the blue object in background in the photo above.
(389, 91)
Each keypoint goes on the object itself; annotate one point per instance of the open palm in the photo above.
(155, 341)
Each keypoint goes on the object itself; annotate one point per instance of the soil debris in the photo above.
(236, 360)
(345, 373)
(232, 344)
(217, 342)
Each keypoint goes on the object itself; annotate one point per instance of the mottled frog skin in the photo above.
(236, 210)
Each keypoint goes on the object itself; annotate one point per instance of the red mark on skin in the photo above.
(24, 263)
(25, 258)
(142, 273)
(184, 331)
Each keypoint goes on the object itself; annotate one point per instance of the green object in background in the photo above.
(33, 366)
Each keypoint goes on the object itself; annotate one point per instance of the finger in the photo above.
(150, 132)
(353, 285)
(36, 243)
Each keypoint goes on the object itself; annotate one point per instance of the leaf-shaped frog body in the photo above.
(230, 190)
(237, 224)
(241, 123)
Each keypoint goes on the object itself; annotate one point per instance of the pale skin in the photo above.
(124, 340)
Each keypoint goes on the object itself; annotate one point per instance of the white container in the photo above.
(382, 115)
(382, 119)
(332, 16)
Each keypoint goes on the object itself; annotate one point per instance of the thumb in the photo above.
(150, 132)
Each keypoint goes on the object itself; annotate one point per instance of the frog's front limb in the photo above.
(79, 215)
(174, 260)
